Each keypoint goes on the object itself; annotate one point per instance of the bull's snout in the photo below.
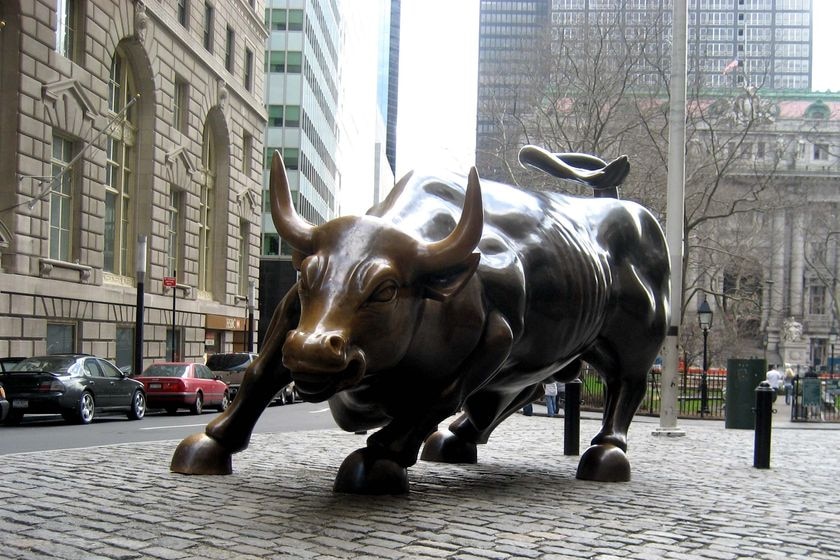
(326, 351)
(322, 363)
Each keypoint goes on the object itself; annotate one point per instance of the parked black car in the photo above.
(75, 385)
(8, 363)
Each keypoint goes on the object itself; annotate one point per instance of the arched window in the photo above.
(119, 166)
(205, 212)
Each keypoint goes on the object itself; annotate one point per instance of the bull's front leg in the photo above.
(382, 466)
(210, 452)
(450, 445)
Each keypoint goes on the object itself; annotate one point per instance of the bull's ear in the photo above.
(442, 286)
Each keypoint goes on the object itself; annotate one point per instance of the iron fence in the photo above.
(689, 399)
(816, 399)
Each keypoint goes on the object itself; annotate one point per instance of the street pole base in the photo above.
(668, 432)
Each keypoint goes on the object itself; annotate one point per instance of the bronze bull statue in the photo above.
(447, 298)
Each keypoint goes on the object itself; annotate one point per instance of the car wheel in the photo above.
(225, 402)
(84, 411)
(198, 407)
(138, 406)
(14, 418)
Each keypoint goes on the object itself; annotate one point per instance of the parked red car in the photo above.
(174, 385)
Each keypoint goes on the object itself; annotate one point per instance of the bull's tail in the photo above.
(603, 177)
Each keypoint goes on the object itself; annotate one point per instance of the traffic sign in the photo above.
(169, 281)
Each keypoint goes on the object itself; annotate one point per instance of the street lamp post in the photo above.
(140, 270)
(704, 317)
(832, 339)
(251, 294)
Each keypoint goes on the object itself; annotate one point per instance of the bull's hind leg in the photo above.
(210, 452)
(606, 460)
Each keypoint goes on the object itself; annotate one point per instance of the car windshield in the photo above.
(165, 370)
(228, 362)
(52, 364)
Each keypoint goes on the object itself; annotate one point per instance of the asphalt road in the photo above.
(49, 432)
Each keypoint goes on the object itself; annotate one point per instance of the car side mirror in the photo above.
(217, 377)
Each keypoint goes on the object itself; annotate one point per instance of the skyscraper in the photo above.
(761, 43)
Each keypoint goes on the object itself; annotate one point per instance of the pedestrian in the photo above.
(550, 398)
(789, 375)
(774, 379)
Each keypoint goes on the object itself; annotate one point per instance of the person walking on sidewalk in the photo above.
(550, 398)
(774, 379)
(789, 375)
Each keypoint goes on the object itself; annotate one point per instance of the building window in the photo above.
(295, 20)
(276, 19)
(275, 61)
(271, 243)
(291, 116)
(291, 157)
(61, 199)
(275, 115)
(248, 77)
(180, 105)
(821, 152)
(294, 62)
(61, 338)
(205, 213)
(175, 231)
(208, 26)
(816, 300)
(229, 49)
(125, 348)
(244, 256)
(183, 12)
(247, 152)
(67, 30)
(119, 177)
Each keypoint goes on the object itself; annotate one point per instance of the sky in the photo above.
(437, 96)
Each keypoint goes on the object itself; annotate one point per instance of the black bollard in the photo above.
(763, 423)
(571, 418)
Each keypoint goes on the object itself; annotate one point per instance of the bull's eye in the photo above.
(386, 292)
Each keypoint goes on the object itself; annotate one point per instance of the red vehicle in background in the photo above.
(174, 385)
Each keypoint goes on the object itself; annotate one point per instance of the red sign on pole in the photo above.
(169, 281)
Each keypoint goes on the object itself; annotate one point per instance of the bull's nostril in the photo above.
(336, 343)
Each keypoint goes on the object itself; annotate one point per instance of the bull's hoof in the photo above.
(366, 472)
(201, 454)
(445, 447)
(604, 463)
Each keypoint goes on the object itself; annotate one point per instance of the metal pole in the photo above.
(571, 418)
(676, 215)
(250, 343)
(763, 425)
(174, 289)
(831, 376)
(140, 269)
(704, 387)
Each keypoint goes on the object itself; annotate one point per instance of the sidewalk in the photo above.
(696, 496)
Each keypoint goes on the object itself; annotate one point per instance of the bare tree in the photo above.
(603, 90)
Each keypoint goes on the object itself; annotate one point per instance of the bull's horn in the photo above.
(458, 245)
(291, 227)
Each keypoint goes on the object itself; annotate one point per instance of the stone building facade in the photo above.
(127, 124)
(792, 239)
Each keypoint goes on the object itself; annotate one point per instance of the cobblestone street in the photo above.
(696, 496)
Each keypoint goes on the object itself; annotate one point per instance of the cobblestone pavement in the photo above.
(696, 496)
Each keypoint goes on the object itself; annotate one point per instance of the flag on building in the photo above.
(730, 67)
